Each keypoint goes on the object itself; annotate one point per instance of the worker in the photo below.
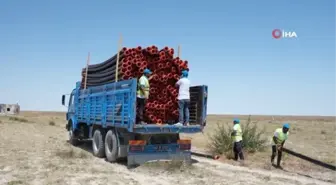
(143, 94)
(183, 98)
(237, 136)
(278, 140)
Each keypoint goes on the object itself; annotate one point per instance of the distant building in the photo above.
(11, 109)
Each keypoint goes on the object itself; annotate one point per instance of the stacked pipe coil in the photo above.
(161, 106)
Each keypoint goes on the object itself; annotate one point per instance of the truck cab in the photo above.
(71, 105)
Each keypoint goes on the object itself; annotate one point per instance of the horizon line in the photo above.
(216, 114)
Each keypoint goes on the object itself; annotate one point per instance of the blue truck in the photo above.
(106, 115)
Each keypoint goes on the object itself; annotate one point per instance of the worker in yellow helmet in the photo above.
(237, 137)
(278, 140)
(143, 95)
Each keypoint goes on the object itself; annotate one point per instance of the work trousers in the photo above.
(141, 103)
(184, 111)
(238, 150)
(274, 151)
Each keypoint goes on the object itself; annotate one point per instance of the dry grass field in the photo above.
(34, 150)
(313, 136)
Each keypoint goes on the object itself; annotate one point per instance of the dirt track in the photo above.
(38, 153)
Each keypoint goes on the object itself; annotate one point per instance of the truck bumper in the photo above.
(134, 159)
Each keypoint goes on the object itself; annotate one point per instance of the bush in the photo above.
(14, 182)
(71, 153)
(221, 142)
(18, 119)
(52, 123)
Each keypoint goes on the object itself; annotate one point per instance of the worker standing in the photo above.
(183, 98)
(278, 140)
(143, 94)
(237, 136)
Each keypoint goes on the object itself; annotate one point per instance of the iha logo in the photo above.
(278, 34)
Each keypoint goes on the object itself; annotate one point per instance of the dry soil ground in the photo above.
(34, 150)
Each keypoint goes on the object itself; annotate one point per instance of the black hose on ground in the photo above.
(314, 161)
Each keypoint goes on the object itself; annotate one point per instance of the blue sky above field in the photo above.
(228, 44)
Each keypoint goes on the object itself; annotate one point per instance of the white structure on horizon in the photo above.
(11, 109)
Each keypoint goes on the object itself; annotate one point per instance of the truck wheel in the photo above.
(98, 143)
(72, 138)
(111, 146)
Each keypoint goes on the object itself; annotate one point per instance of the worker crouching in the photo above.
(278, 140)
(237, 137)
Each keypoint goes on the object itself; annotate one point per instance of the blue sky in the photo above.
(228, 44)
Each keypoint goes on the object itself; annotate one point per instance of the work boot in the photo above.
(278, 161)
(179, 124)
(272, 160)
(279, 167)
(143, 123)
(242, 163)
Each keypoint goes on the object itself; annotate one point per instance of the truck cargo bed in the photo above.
(114, 105)
(166, 128)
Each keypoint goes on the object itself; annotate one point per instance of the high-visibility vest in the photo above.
(140, 93)
(239, 134)
(281, 136)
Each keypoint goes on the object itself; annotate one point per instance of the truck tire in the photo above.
(98, 143)
(72, 138)
(111, 146)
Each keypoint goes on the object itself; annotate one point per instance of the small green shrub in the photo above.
(52, 123)
(253, 141)
(71, 153)
(220, 140)
(14, 182)
(18, 119)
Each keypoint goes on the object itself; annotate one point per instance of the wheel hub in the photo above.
(109, 144)
(70, 133)
(96, 142)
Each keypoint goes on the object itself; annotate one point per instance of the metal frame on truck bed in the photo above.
(106, 115)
